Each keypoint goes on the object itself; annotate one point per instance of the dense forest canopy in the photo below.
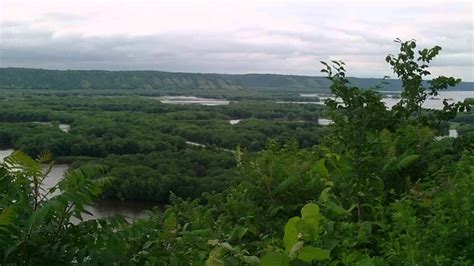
(24, 78)
(144, 142)
(373, 188)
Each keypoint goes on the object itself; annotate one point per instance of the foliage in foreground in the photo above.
(382, 191)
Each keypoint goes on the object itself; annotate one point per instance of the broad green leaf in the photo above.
(336, 208)
(227, 246)
(291, 233)
(251, 259)
(324, 196)
(216, 257)
(321, 169)
(310, 254)
(238, 233)
(296, 247)
(310, 214)
(275, 259)
(213, 242)
(310, 211)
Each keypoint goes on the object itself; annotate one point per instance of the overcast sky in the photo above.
(285, 37)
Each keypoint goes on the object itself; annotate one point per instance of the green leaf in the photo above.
(296, 247)
(408, 160)
(336, 208)
(310, 254)
(227, 246)
(6, 217)
(251, 259)
(366, 262)
(321, 169)
(275, 259)
(238, 233)
(324, 196)
(213, 242)
(216, 257)
(310, 214)
(291, 233)
(310, 211)
(170, 222)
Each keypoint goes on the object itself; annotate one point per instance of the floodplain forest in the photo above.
(375, 187)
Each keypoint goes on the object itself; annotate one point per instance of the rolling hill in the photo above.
(27, 78)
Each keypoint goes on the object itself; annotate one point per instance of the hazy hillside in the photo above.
(25, 78)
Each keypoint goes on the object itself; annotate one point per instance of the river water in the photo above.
(325, 121)
(5, 153)
(191, 100)
(234, 121)
(390, 98)
(101, 209)
(62, 127)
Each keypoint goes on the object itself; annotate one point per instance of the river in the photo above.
(390, 98)
(101, 209)
(190, 100)
(234, 121)
(325, 121)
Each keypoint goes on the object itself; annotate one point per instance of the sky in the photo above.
(282, 37)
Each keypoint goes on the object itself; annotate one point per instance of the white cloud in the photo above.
(235, 37)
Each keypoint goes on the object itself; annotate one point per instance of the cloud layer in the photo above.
(289, 37)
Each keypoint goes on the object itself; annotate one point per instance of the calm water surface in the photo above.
(325, 121)
(191, 100)
(390, 98)
(104, 208)
(5, 153)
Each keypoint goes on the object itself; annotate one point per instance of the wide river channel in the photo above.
(103, 208)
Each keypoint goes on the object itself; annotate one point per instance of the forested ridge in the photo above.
(25, 78)
(374, 188)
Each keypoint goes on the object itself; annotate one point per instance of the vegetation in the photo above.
(380, 190)
(156, 81)
(144, 142)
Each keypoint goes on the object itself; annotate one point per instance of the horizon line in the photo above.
(205, 73)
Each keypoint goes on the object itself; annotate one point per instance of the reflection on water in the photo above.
(453, 133)
(5, 153)
(104, 208)
(195, 144)
(62, 127)
(325, 122)
(190, 100)
(54, 176)
(320, 103)
(393, 98)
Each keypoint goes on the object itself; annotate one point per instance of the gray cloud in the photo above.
(248, 49)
